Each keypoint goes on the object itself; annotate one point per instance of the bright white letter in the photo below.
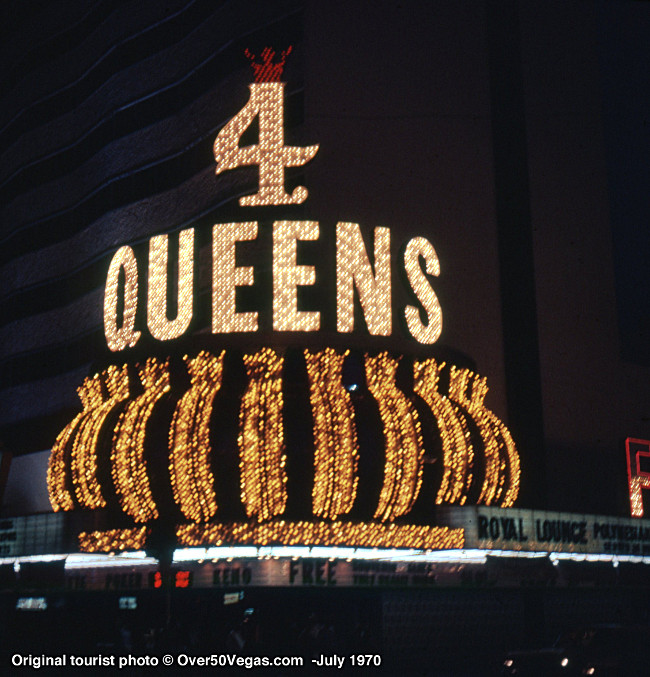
(226, 276)
(430, 332)
(125, 336)
(287, 275)
(354, 270)
(159, 325)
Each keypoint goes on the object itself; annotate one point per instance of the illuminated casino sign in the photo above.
(215, 443)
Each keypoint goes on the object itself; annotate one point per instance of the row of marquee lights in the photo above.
(353, 271)
(309, 534)
(261, 438)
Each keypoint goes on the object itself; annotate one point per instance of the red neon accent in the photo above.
(267, 71)
(182, 579)
(157, 580)
(639, 455)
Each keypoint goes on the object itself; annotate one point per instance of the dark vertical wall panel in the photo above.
(515, 239)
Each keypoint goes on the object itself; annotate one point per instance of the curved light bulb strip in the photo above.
(457, 448)
(402, 440)
(461, 381)
(84, 449)
(261, 437)
(514, 468)
(189, 439)
(495, 437)
(129, 468)
(60, 497)
(336, 450)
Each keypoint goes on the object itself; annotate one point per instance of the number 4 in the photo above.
(270, 154)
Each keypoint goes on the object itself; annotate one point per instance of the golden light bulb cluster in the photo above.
(84, 449)
(402, 439)
(353, 270)
(457, 448)
(113, 540)
(125, 335)
(260, 440)
(191, 476)
(261, 437)
(336, 450)
(505, 441)
(287, 275)
(358, 535)
(159, 325)
(129, 468)
(60, 497)
(462, 380)
(270, 154)
(495, 437)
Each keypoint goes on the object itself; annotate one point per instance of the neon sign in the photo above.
(354, 272)
(638, 478)
(87, 471)
(270, 155)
